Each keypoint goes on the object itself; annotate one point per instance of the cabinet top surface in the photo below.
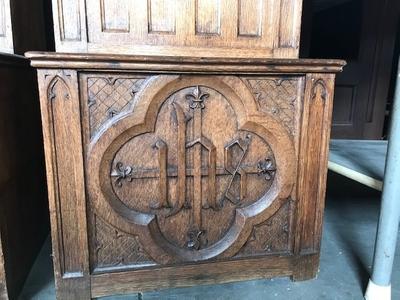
(182, 64)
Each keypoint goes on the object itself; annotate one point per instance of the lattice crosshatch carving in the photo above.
(271, 236)
(114, 248)
(108, 97)
(278, 97)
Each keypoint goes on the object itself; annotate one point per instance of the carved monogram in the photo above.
(108, 97)
(277, 97)
(190, 171)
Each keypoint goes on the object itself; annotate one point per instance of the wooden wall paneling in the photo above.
(24, 220)
(64, 161)
(261, 28)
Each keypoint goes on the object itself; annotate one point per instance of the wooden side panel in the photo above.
(313, 161)
(64, 164)
(161, 15)
(208, 16)
(115, 16)
(6, 40)
(250, 17)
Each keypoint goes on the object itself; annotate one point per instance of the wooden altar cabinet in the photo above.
(174, 171)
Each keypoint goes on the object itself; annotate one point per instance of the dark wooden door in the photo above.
(363, 32)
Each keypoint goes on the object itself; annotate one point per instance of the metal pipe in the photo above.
(388, 225)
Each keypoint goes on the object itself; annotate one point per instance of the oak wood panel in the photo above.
(194, 174)
(260, 28)
(161, 16)
(208, 17)
(115, 16)
(314, 154)
(69, 19)
(250, 17)
(24, 220)
(61, 117)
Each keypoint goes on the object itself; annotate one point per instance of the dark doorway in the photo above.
(362, 32)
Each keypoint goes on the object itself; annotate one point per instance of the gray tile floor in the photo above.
(347, 249)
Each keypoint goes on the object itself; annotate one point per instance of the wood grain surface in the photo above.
(210, 171)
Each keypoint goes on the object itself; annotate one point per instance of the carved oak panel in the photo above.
(192, 179)
(184, 171)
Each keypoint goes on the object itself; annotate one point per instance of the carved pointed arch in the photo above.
(319, 88)
(58, 88)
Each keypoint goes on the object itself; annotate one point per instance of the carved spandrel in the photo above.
(113, 248)
(193, 171)
(278, 98)
(270, 236)
(108, 97)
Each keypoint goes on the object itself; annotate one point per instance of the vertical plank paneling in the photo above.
(161, 16)
(208, 17)
(250, 17)
(115, 15)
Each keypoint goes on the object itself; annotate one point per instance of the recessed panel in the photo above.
(161, 15)
(69, 20)
(115, 15)
(250, 17)
(208, 16)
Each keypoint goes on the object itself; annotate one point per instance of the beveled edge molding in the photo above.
(183, 64)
